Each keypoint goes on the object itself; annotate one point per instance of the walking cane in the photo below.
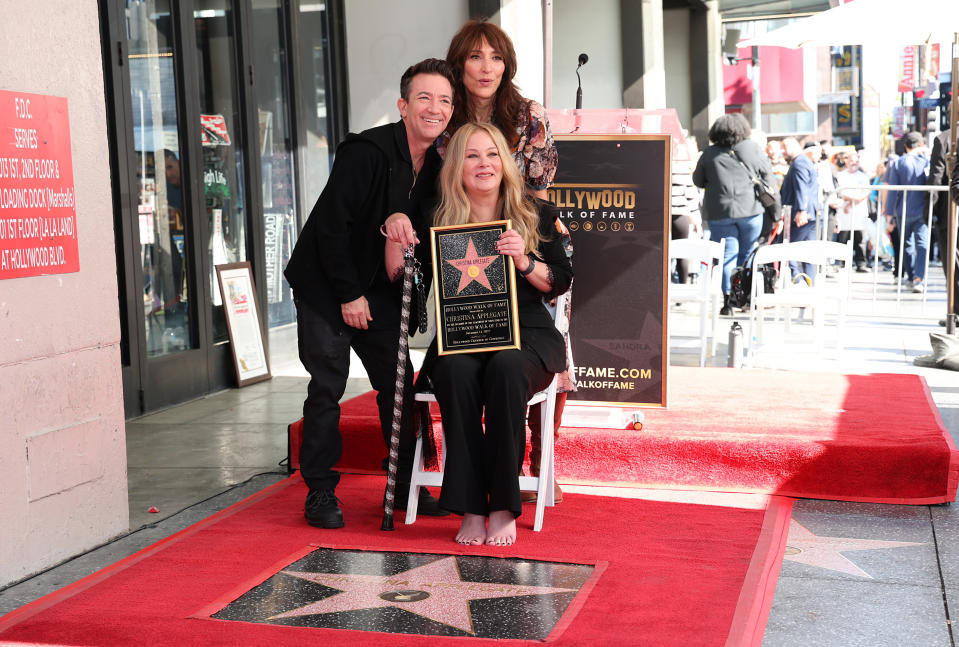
(401, 357)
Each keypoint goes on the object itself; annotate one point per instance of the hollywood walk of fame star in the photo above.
(473, 267)
(826, 552)
(435, 591)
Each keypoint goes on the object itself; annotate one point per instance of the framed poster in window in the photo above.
(475, 289)
(242, 311)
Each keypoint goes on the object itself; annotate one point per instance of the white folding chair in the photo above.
(706, 262)
(542, 484)
(787, 294)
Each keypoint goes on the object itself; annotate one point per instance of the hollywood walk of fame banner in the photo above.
(475, 291)
(612, 192)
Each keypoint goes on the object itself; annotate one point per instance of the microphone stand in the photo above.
(579, 89)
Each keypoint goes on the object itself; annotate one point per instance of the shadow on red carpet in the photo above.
(873, 438)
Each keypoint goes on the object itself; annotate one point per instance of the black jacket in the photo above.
(338, 256)
(939, 173)
(730, 192)
(537, 329)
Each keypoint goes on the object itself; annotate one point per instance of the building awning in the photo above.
(786, 80)
(751, 9)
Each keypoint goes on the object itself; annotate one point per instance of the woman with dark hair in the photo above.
(484, 64)
(731, 209)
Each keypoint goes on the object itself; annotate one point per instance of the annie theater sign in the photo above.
(38, 215)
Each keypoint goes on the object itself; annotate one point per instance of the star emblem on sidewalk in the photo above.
(804, 547)
(472, 267)
(435, 591)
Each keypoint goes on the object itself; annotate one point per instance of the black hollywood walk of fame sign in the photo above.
(413, 593)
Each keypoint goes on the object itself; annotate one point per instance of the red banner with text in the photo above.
(38, 215)
(907, 69)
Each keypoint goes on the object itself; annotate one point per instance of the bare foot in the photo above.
(472, 530)
(502, 529)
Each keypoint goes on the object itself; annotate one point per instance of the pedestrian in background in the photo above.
(731, 210)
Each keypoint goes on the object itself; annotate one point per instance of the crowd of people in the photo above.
(827, 192)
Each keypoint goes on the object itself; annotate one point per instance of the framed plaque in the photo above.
(474, 289)
(242, 311)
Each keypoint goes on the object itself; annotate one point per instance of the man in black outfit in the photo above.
(343, 296)
(939, 174)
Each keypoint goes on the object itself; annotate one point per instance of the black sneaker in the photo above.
(428, 506)
(322, 509)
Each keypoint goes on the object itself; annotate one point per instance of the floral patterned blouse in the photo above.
(535, 154)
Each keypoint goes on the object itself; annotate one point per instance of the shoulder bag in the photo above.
(767, 195)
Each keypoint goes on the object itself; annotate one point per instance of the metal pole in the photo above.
(757, 105)
(547, 54)
(950, 257)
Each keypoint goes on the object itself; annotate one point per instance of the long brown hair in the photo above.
(514, 205)
(507, 102)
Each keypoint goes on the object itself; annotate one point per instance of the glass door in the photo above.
(161, 218)
(274, 119)
(221, 171)
(208, 156)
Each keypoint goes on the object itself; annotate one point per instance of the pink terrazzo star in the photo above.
(473, 267)
(435, 591)
(826, 552)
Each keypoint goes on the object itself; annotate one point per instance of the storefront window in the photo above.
(276, 151)
(312, 91)
(222, 144)
(156, 142)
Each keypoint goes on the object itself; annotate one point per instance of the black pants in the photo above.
(325, 353)
(681, 227)
(858, 249)
(481, 468)
(942, 228)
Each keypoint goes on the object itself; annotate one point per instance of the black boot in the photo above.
(322, 509)
(727, 309)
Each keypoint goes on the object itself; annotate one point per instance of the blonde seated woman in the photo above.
(479, 183)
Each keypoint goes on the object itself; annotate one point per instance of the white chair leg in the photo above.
(714, 305)
(545, 494)
(703, 315)
(414, 495)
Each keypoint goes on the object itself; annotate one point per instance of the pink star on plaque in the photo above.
(435, 591)
(473, 267)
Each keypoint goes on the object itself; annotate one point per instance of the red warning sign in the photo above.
(38, 215)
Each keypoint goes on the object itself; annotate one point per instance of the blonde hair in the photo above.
(454, 206)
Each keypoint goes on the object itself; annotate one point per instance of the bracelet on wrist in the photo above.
(529, 268)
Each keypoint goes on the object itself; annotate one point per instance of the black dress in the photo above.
(480, 472)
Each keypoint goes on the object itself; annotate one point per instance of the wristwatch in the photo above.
(529, 268)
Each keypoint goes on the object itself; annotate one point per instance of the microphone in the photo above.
(579, 87)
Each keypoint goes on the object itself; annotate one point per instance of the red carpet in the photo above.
(873, 438)
(667, 574)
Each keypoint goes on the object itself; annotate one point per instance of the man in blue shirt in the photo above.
(910, 168)
(800, 190)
